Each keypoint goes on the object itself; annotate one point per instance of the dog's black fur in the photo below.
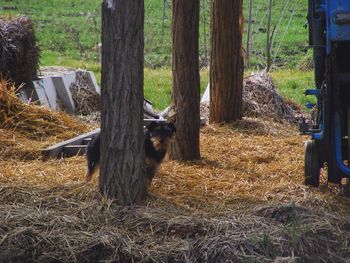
(156, 140)
(93, 153)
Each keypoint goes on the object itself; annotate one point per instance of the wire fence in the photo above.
(286, 40)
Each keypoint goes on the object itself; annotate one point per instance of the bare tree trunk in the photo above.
(226, 65)
(204, 13)
(122, 151)
(163, 20)
(186, 85)
(249, 34)
(268, 38)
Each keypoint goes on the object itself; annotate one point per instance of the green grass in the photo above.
(68, 32)
(64, 28)
(292, 84)
(290, 41)
(157, 86)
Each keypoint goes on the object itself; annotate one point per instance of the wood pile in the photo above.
(261, 100)
(87, 101)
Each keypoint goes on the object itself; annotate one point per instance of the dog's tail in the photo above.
(93, 157)
(92, 168)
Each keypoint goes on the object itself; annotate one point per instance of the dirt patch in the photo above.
(95, 253)
(54, 71)
(285, 214)
(12, 255)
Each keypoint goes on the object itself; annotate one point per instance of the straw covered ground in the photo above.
(244, 202)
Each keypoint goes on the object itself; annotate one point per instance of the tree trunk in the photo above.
(122, 151)
(226, 64)
(186, 84)
(268, 38)
(249, 34)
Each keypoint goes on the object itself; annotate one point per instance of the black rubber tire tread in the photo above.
(312, 166)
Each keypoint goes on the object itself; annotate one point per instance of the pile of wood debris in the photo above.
(261, 100)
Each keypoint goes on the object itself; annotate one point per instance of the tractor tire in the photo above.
(312, 167)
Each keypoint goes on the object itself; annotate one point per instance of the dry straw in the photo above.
(31, 122)
(243, 202)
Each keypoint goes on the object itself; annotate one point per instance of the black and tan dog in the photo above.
(156, 140)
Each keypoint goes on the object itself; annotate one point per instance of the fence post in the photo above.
(249, 34)
(163, 21)
(268, 38)
(205, 34)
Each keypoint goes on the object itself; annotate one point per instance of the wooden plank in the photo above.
(147, 112)
(86, 141)
(148, 121)
(73, 150)
(56, 150)
(62, 149)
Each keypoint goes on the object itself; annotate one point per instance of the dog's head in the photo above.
(161, 134)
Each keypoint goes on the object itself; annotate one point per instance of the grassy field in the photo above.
(69, 31)
(292, 83)
(157, 86)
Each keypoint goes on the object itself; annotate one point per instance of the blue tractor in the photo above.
(329, 126)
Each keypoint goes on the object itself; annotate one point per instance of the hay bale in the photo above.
(19, 53)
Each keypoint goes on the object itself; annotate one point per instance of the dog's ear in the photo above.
(172, 127)
(152, 125)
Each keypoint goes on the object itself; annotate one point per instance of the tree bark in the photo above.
(186, 82)
(268, 38)
(226, 64)
(123, 170)
(249, 34)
